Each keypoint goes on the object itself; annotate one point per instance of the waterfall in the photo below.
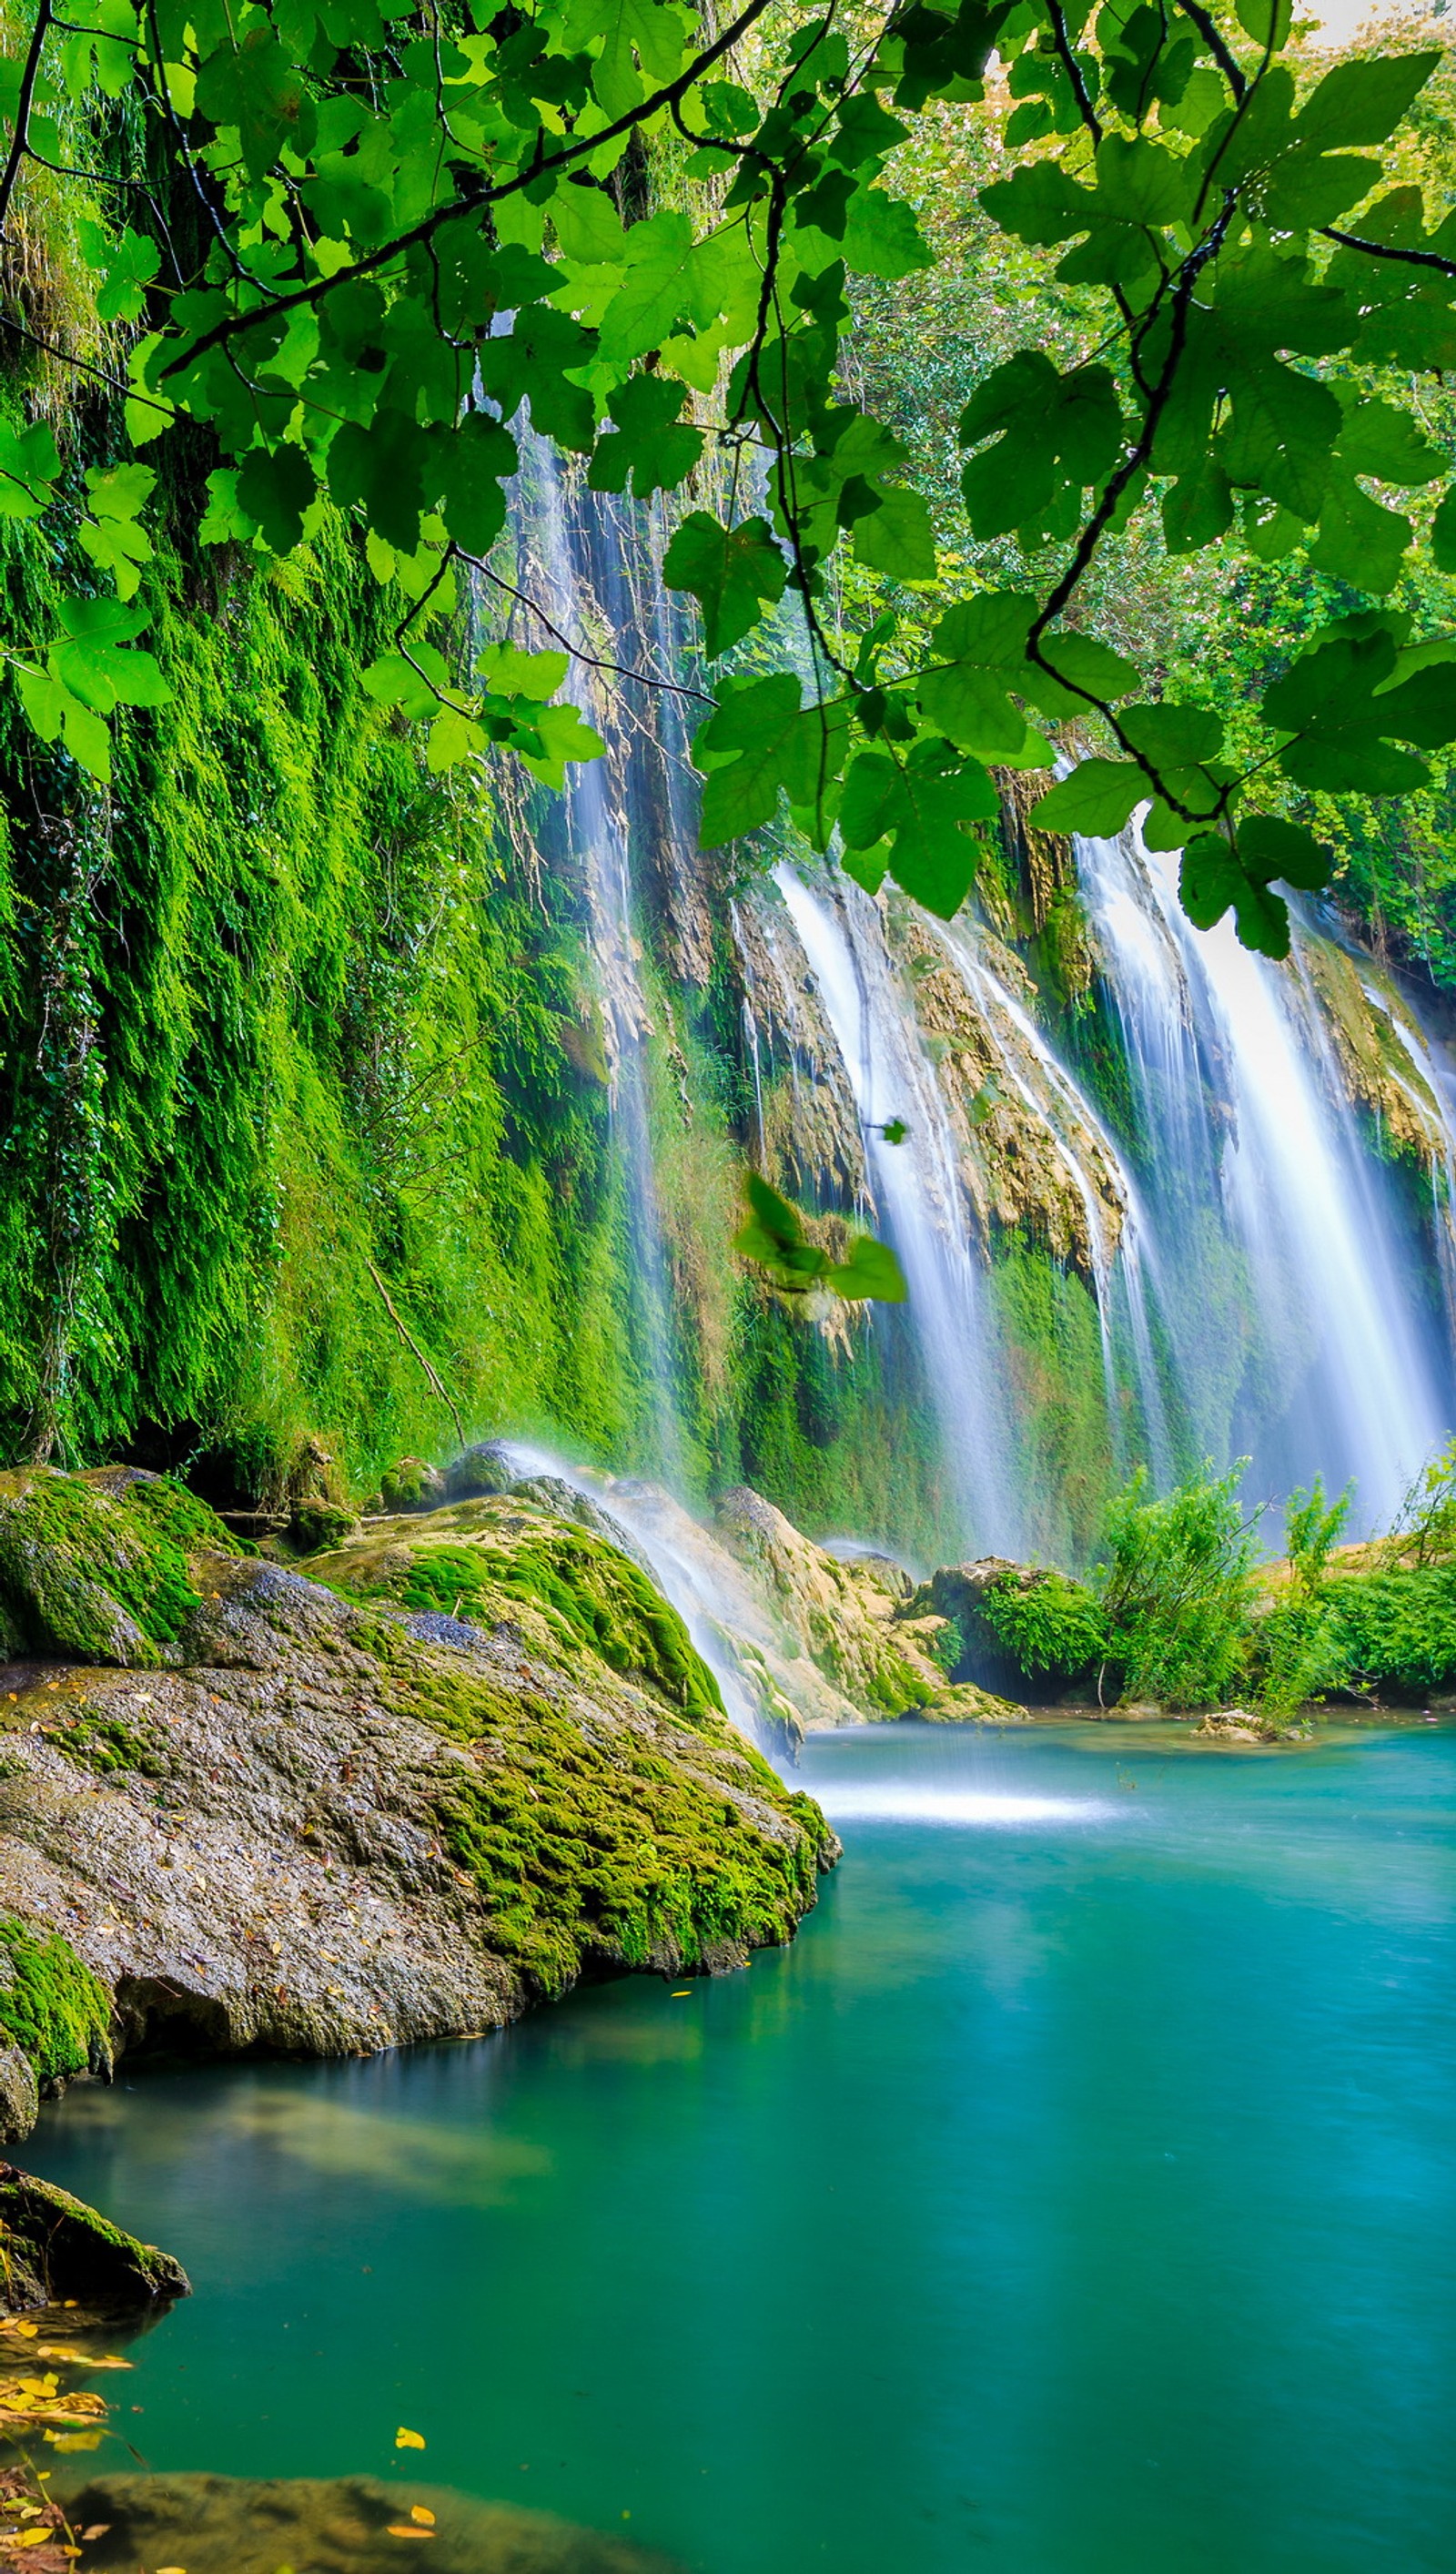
(1048, 1093)
(1334, 1367)
(917, 1192)
(580, 572)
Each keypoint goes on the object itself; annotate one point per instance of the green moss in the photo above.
(102, 1743)
(592, 1595)
(51, 2005)
(90, 1575)
(584, 1848)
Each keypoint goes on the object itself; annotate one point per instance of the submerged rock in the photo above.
(52, 2248)
(341, 2525)
(475, 1760)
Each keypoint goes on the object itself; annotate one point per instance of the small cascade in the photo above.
(706, 1587)
(917, 1192)
(1314, 1325)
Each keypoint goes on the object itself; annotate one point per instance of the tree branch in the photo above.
(460, 209)
(19, 140)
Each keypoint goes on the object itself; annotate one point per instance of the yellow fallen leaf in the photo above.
(419, 2512)
(395, 2529)
(28, 2537)
(408, 2439)
(684, 1995)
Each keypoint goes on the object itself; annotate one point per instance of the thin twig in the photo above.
(413, 1346)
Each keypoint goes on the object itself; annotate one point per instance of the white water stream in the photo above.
(1244, 1114)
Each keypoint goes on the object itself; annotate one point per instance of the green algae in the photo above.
(51, 2005)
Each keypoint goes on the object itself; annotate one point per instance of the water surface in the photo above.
(1077, 2195)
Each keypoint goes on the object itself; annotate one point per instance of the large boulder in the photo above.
(475, 1759)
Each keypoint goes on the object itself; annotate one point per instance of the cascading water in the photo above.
(1299, 1335)
(918, 1191)
(1050, 1096)
(577, 566)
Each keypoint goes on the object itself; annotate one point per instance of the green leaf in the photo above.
(896, 538)
(1443, 532)
(871, 1270)
(653, 295)
(1359, 541)
(1084, 668)
(471, 465)
(1055, 432)
(984, 641)
(1097, 801)
(275, 489)
(29, 465)
(588, 225)
(1363, 102)
(1272, 848)
(383, 468)
(883, 237)
(254, 87)
(564, 735)
(55, 713)
(126, 266)
(773, 1235)
(733, 572)
(919, 806)
(757, 741)
(510, 672)
(650, 442)
(1211, 882)
(1380, 438)
(1344, 733)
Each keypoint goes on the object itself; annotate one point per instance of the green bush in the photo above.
(1397, 1631)
(1176, 1592)
(1049, 1628)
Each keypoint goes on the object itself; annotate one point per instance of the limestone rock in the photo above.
(19, 2095)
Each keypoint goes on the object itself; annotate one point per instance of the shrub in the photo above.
(1048, 1627)
(1176, 1593)
(1397, 1631)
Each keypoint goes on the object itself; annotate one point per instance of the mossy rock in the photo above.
(618, 1852)
(484, 1561)
(94, 1568)
(317, 1525)
(51, 2005)
(54, 2246)
(338, 2525)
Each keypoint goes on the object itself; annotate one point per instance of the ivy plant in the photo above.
(356, 242)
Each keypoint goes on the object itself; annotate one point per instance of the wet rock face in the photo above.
(345, 2525)
(331, 1824)
(55, 2247)
(860, 1623)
